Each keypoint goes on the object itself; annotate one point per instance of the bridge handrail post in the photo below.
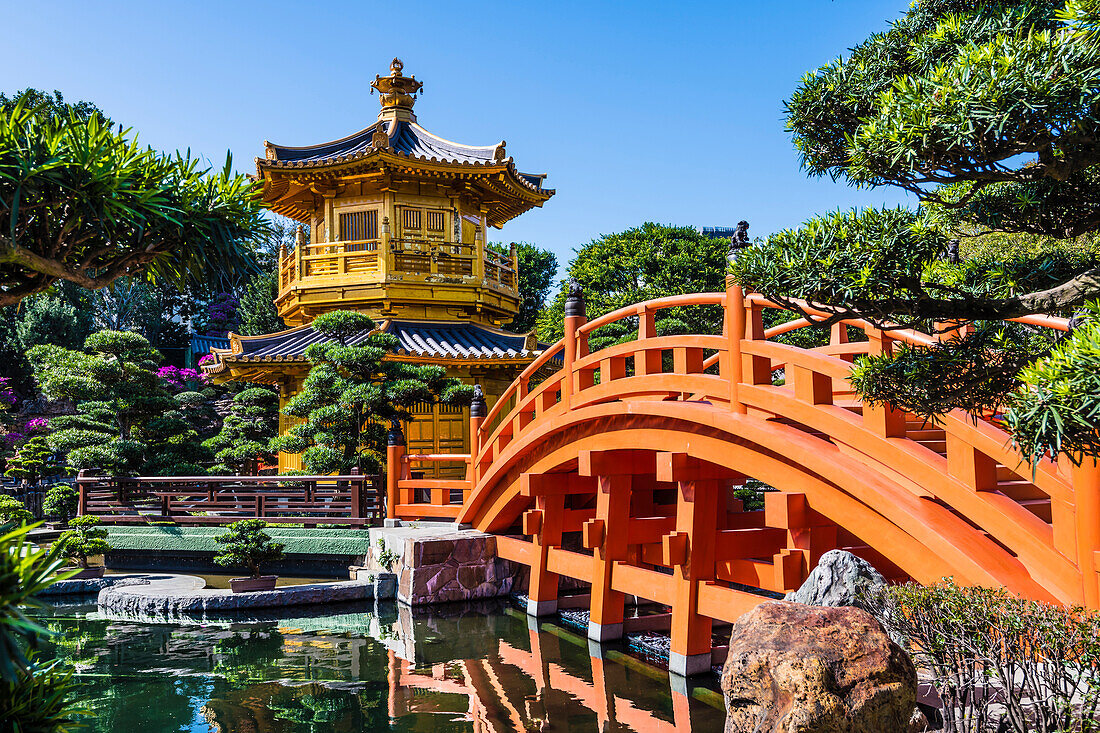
(576, 315)
(735, 331)
(478, 410)
(1086, 494)
(395, 465)
(882, 419)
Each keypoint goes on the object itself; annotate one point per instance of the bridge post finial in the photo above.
(395, 436)
(574, 301)
(477, 404)
(740, 240)
(395, 465)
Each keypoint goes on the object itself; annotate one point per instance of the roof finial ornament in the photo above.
(740, 239)
(397, 91)
(574, 301)
(499, 153)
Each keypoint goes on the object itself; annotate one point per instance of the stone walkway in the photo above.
(165, 594)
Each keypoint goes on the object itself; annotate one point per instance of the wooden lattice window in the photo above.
(423, 224)
(437, 221)
(356, 226)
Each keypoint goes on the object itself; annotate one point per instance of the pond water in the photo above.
(374, 667)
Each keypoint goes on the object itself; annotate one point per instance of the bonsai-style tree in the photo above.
(246, 432)
(13, 512)
(352, 393)
(33, 460)
(62, 501)
(247, 545)
(987, 113)
(82, 201)
(126, 422)
(84, 539)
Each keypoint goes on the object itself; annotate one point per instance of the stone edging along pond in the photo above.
(163, 594)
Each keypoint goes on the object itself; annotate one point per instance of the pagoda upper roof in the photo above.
(397, 145)
(406, 138)
(434, 340)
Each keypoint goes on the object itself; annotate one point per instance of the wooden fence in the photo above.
(310, 500)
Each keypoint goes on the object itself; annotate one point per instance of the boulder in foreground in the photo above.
(795, 669)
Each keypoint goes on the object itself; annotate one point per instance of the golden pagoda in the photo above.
(397, 220)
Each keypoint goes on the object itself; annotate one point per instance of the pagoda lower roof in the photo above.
(405, 138)
(434, 340)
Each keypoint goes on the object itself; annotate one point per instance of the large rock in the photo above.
(800, 669)
(840, 579)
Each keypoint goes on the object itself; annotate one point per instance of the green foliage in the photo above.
(84, 539)
(386, 556)
(155, 310)
(247, 545)
(997, 661)
(25, 571)
(650, 261)
(352, 393)
(1056, 409)
(52, 105)
(975, 373)
(116, 208)
(61, 502)
(33, 696)
(127, 422)
(53, 319)
(33, 460)
(986, 112)
(13, 512)
(246, 432)
(257, 312)
(537, 269)
(41, 699)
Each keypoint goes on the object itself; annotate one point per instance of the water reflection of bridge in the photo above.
(486, 666)
(550, 680)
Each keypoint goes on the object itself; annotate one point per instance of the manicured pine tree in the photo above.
(353, 393)
(126, 422)
(988, 114)
(246, 432)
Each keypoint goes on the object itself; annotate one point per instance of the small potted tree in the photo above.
(85, 539)
(61, 503)
(247, 545)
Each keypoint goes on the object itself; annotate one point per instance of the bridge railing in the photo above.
(211, 500)
(1047, 515)
(409, 496)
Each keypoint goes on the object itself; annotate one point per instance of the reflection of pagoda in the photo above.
(397, 221)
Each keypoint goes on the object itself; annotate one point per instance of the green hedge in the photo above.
(297, 540)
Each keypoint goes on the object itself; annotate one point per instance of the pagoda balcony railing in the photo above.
(371, 260)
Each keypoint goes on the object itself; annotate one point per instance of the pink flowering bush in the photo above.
(36, 425)
(182, 379)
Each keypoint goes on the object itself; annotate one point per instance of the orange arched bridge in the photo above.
(619, 469)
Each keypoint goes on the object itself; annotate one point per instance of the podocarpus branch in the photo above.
(82, 202)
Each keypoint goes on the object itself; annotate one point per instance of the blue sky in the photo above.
(642, 111)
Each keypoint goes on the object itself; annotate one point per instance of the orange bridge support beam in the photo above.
(607, 535)
(544, 524)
